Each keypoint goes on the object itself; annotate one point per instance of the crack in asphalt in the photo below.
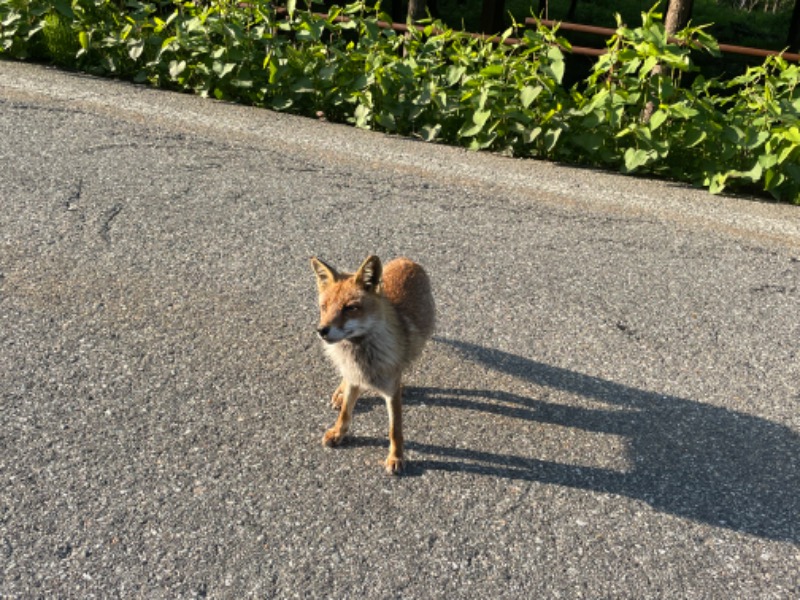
(108, 219)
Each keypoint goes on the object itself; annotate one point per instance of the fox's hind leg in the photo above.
(349, 395)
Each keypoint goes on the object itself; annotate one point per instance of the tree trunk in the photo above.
(793, 41)
(416, 10)
(678, 14)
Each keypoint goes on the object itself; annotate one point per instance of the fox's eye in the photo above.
(351, 307)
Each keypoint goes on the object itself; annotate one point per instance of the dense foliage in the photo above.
(443, 85)
(758, 23)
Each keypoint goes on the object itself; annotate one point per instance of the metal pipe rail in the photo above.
(607, 32)
(577, 27)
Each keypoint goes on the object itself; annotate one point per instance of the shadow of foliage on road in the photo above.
(701, 462)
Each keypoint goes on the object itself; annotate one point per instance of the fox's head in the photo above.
(348, 303)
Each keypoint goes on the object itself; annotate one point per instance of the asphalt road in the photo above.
(610, 408)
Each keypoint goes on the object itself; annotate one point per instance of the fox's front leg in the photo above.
(338, 396)
(349, 395)
(394, 462)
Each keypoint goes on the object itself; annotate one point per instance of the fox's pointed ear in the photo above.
(369, 274)
(326, 274)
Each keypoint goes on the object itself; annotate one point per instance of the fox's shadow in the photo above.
(701, 462)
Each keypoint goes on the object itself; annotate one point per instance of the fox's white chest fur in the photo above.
(376, 360)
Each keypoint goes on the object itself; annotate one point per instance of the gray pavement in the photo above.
(610, 408)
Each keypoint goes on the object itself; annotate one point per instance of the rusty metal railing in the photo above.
(607, 32)
(566, 26)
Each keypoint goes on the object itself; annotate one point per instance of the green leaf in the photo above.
(426, 94)
(557, 66)
(303, 86)
(754, 139)
(772, 179)
(693, 137)
(554, 54)
(480, 116)
(733, 134)
(11, 19)
(638, 157)
(793, 171)
(469, 129)
(430, 132)
(792, 135)
(169, 43)
(386, 120)
(492, 71)
(717, 183)
(64, 8)
(528, 94)
(767, 161)
(454, 74)
(282, 103)
(135, 50)
(551, 138)
(176, 68)
(475, 125)
(592, 120)
(683, 111)
(530, 135)
(589, 141)
(362, 115)
(753, 174)
(273, 71)
(507, 33)
(648, 66)
(222, 69)
(785, 154)
(482, 141)
(327, 73)
(482, 98)
(657, 119)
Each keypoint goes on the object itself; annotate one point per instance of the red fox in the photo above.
(373, 323)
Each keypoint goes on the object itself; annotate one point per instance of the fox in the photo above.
(373, 324)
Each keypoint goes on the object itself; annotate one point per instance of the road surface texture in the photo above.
(610, 407)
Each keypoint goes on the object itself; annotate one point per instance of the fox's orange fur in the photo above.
(374, 323)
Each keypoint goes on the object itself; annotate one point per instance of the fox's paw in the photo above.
(332, 437)
(394, 465)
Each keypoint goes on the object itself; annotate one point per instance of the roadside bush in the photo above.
(643, 109)
(59, 40)
(760, 135)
